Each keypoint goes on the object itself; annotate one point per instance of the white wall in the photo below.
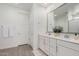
(16, 22)
(37, 23)
(31, 26)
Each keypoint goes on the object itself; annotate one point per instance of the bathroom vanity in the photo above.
(66, 43)
(59, 45)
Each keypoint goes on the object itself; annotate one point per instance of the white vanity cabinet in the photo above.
(41, 42)
(65, 51)
(44, 44)
(65, 48)
(52, 47)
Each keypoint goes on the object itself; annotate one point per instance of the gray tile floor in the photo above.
(23, 50)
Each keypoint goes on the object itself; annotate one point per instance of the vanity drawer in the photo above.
(64, 51)
(68, 44)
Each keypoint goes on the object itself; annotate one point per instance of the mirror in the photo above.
(66, 16)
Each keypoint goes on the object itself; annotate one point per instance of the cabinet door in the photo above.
(64, 51)
(41, 42)
(52, 47)
(46, 45)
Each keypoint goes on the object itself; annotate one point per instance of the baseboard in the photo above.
(8, 47)
(22, 44)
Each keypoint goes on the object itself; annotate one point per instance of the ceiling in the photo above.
(46, 4)
(27, 6)
(24, 6)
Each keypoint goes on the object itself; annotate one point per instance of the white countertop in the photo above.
(61, 37)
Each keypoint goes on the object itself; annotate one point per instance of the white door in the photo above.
(46, 45)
